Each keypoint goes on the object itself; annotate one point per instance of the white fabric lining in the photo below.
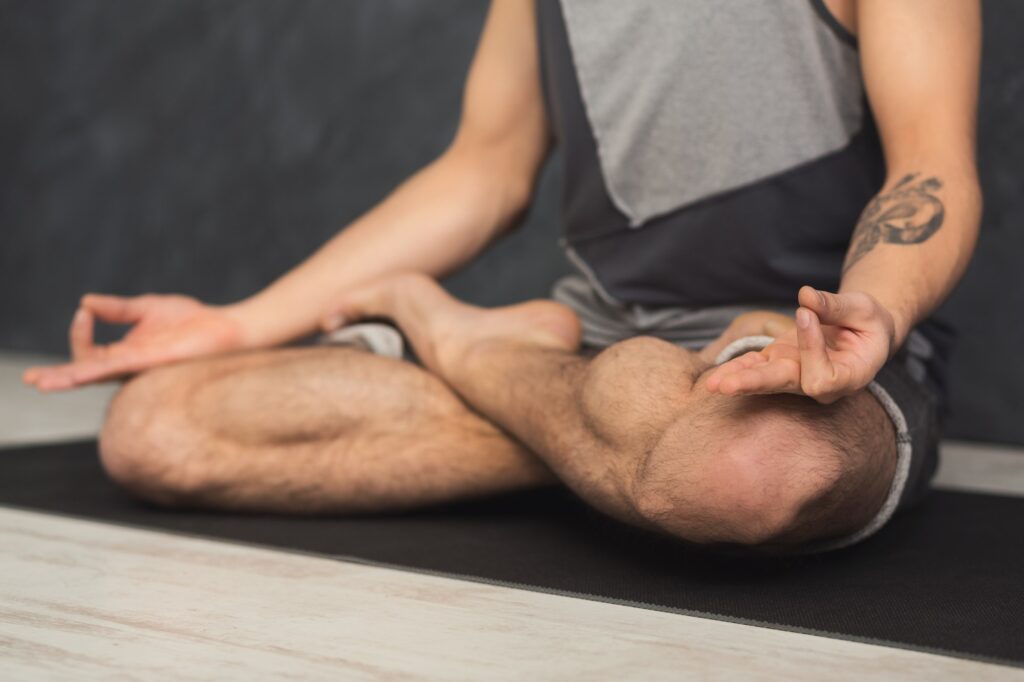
(379, 339)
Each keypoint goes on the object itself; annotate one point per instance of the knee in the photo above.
(729, 505)
(141, 444)
(759, 489)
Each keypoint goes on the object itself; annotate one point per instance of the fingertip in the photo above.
(730, 386)
(91, 302)
(808, 296)
(332, 322)
(713, 380)
(803, 318)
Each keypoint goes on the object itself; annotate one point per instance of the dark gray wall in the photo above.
(987, 380)
(205, 146)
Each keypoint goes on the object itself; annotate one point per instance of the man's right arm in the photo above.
(445, 214)
(436, 221)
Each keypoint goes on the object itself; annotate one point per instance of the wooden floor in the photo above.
(86, 600)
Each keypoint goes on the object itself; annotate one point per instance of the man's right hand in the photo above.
(164, 329)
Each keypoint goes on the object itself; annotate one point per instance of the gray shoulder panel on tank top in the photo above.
(691, 98)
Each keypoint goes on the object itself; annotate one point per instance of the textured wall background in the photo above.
(205, 147)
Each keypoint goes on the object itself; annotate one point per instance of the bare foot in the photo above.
(442, 329)
(755, 323)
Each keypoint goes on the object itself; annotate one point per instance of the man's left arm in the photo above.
(914, 240)
(920, 60)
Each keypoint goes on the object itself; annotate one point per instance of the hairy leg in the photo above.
(309, 430)
(635, 433)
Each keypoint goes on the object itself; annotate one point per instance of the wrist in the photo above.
(250, 332)
(903, 325)
(900, 323)
(898, 328)
(896, 320)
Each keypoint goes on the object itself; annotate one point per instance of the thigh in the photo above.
(306, 430)
(314, 393)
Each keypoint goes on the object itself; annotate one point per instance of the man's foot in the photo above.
(442, 330)
(756, 323)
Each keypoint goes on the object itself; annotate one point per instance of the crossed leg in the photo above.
(305, 431)
(636, 433)
(632, 431)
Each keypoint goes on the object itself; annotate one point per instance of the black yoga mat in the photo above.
(947, 576)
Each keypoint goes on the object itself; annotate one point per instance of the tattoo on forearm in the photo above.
(909, 213)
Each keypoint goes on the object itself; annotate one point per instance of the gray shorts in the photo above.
(902, 387)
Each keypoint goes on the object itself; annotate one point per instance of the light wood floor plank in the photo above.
(84, 600)
(981, 468)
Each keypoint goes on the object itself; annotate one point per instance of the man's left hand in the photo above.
(839, 344)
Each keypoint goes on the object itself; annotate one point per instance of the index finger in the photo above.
(115, 309)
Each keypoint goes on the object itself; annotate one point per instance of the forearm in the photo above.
(433, 223)
(914, 241)
(920, 63)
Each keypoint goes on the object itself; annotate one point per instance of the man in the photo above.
(717, 156)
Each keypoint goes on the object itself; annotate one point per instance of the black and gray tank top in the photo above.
(715, 152)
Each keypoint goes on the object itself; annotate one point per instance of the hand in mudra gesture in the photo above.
(839, 344)
(164, 329)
